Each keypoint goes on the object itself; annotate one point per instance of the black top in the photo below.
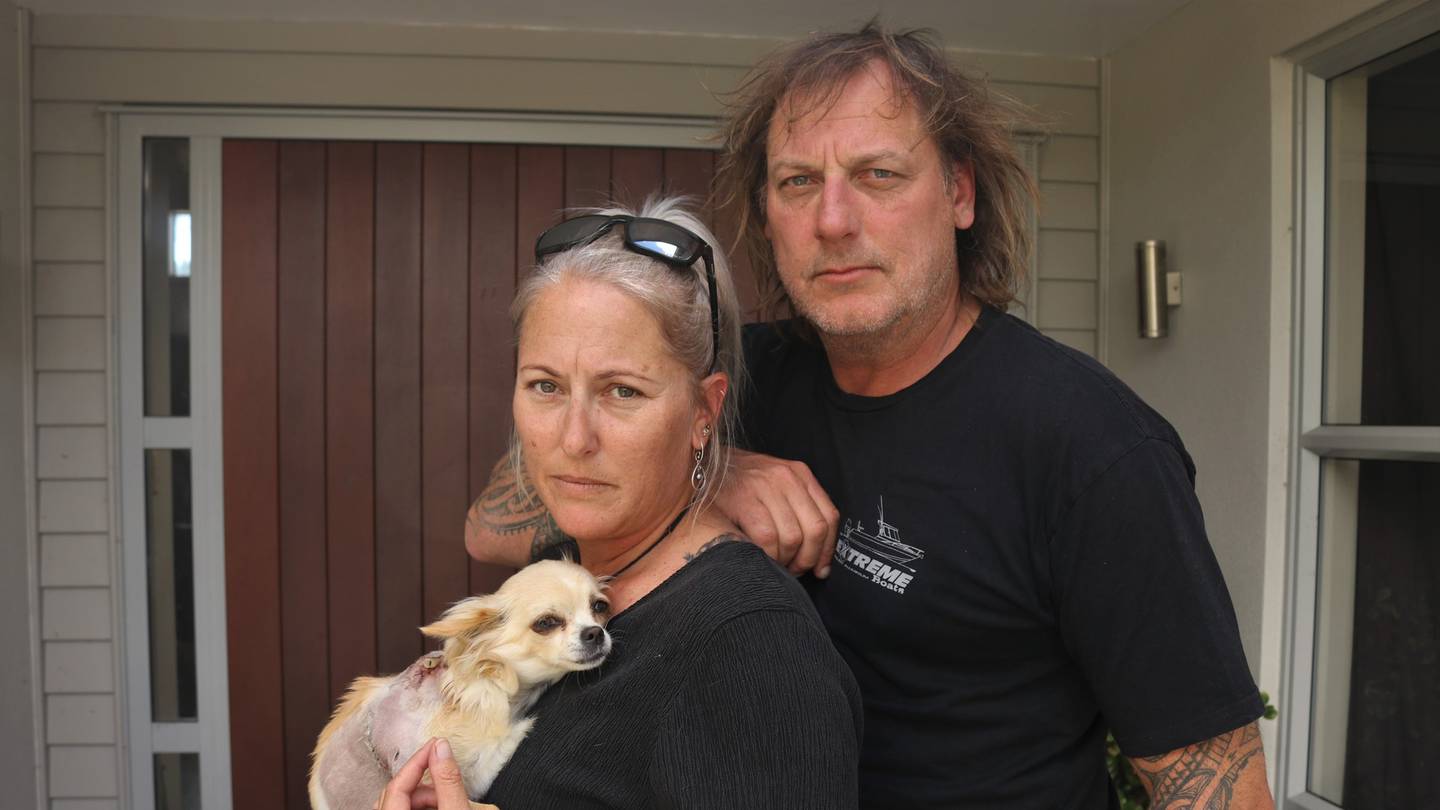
(1021, 563)
(722, 691)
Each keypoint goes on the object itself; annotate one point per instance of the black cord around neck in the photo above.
(658, 541)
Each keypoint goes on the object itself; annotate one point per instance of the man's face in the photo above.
(859, 213)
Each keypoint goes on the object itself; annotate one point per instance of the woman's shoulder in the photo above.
(728, 577)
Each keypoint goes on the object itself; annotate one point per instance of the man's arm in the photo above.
(1223, 772)
(509, 525)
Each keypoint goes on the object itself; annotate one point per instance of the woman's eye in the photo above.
(796, 181)
(545, 386)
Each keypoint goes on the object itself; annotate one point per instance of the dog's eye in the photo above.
(545, 624)
(600, 606)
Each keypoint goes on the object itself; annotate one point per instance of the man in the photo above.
(1022, 562)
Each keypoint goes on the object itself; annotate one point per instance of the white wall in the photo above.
(1200, 135)
(18, 766)
(82, 62)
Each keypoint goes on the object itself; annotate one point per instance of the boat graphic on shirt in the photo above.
(882, 544)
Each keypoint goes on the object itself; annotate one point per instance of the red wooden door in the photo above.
(367, 369)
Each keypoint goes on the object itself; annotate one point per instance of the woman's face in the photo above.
(607, 417)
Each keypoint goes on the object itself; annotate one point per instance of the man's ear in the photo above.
(468, 617)
(962, 181)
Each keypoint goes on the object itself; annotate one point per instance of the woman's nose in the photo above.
(578, 438)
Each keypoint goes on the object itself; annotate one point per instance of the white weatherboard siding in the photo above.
(83, 62)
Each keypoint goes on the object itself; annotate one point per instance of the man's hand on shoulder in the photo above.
(780, 506)
(1224, 772)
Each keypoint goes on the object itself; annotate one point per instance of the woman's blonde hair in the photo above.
(679, 300)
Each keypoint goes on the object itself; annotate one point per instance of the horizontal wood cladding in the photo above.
(478, 41)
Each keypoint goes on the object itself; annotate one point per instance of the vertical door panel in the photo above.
(493, 270)
(688, 172)
(444, 347)
(399, 583)
(252, 507)
(539, 196)
(303, 603)
(350, 410)
(587, 176)
(635, 174)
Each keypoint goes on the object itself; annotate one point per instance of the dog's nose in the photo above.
(592, 634)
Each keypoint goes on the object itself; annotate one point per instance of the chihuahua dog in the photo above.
(500, 652)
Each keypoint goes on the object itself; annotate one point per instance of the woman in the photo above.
(723, 689)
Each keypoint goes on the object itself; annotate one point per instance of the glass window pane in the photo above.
(165, 249)
(1375, 716)
(177, 782)
(171, 585)
(1382, 346)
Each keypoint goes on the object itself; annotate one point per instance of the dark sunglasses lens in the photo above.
(569, 233)
(664, 240)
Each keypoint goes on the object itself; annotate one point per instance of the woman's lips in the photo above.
(577, 484)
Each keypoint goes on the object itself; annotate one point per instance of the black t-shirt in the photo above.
(1021, 563)
(722, 691)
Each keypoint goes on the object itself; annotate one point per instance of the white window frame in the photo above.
(1313, 442)
(201, 432)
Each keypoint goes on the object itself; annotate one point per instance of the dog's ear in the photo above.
(468, 617)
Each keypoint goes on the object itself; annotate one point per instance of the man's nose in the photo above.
(838, 217)
(579, 437)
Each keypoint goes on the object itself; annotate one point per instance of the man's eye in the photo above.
(796, 181)
(881, 174)
(546, 624)
(625, 392)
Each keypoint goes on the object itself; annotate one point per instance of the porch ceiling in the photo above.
(1059, 27)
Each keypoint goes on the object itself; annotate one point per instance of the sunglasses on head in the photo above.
(656, 238)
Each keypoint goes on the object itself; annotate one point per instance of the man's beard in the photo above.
(874, 327)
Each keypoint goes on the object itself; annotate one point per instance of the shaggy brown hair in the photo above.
(970, 124)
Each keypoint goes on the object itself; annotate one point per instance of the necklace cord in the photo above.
(658, 541)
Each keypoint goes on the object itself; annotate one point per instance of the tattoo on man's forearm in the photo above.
(711, 543)
(506, 507)
(1203, 775)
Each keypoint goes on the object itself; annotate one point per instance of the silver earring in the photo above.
(697, 476)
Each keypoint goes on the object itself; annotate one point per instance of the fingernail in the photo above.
(442, 749)
(823, 572)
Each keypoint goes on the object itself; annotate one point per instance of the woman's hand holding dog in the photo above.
(447, 788)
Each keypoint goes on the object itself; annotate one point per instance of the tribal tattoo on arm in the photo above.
(1227, 771)
(510, 507)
